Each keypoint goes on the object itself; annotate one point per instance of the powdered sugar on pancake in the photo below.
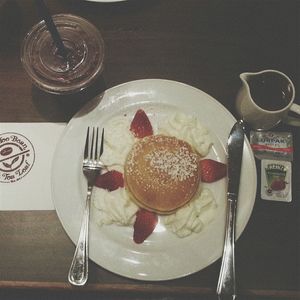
(178, 165)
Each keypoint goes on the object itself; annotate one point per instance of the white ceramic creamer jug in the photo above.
(265, 99)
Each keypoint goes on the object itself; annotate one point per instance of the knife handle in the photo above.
(226, 283)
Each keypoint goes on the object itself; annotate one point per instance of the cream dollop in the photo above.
(193, 216)
(118, 141)
(189, 129)
(114, 207)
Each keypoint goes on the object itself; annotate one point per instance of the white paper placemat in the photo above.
(26, 152)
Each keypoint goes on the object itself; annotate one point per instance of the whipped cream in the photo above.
(199, 212)
(116, 207)
(118, 141)
(187, 128)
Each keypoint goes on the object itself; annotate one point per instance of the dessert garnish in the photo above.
(144, 225)
(140, 125)
(111, 180)
(212, 170)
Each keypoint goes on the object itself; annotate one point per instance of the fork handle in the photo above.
(78, 273)
(226, 283)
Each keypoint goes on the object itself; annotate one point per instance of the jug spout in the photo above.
(246, 76)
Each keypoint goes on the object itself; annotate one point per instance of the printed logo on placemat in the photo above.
(16, 156)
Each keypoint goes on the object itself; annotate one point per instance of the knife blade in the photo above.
(227, 283)
(235, 148)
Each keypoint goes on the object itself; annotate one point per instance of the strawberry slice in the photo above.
(212, 170)
(144, 225)
(140, 125)
(110, 180)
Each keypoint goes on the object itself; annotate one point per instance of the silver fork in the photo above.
(91, 167)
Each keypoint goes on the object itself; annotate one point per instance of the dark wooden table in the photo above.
(204, 43)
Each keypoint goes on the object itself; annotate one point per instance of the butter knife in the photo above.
(226, 283)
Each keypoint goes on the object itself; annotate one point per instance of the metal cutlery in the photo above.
(91, 167)
(227, 281)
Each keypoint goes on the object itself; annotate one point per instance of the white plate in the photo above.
(163, 255)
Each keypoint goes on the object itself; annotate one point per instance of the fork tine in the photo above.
(92, 146)
(86, 147)
(96, 145)
(102, 143)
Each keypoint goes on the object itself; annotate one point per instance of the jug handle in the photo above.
(294, 121)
